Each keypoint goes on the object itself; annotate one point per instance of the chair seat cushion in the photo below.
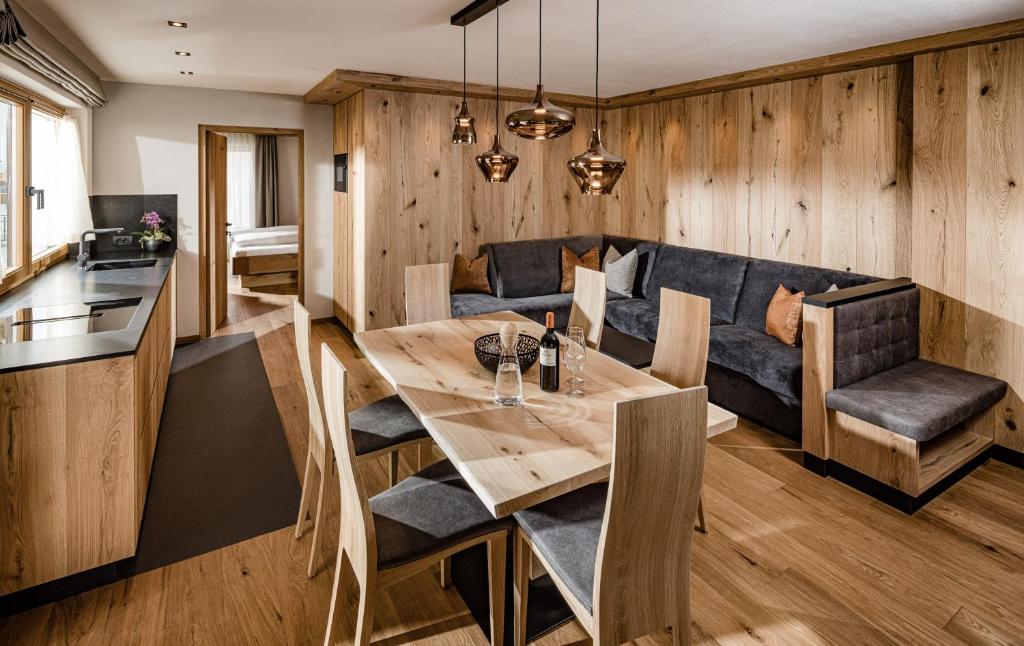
(532, 307)
(764, 359)
(427, 512)
(918, 399)
(566, 531)
(384, 423)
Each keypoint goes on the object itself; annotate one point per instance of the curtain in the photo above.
(242, 181)
(57, 169)
(73, 199)
(267, 212)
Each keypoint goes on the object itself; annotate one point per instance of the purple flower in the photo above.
(152, 220)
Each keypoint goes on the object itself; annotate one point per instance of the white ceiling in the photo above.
(286, 46)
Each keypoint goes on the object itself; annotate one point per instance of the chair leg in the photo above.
(496, 580)
(364, 616)
(300, 524)
(702, 525)
(393, 468)
(314, 552)
(521, 585)
(681, 627)
(446, 573)
(332, 616)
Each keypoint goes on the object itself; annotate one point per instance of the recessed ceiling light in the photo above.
(181, 53)
(183, 72)
(177, 23)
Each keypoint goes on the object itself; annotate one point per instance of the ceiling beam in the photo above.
(474, 11)
(341, 84)
(830, 64)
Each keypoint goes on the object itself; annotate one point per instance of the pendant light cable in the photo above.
(497, 67)
(597, 63)
(540, 42)
(463, 63)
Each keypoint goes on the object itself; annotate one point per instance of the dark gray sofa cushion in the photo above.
(764, 359)
(874, 335)
(918, 399)
(765, 276)
(646, 252)
(533, 307)
(566, 531)
(533, 267)
(426, 512)
(717, 276)
(636, 316)
(383, 423)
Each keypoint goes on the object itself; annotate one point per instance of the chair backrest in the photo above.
(317, 443)
(681, 351)
(357, 535)
(643, 555)
(427, 296)
(588, 302)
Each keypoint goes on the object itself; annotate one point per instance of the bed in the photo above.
(267, 257)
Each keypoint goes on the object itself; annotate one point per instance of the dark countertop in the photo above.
(66, 283)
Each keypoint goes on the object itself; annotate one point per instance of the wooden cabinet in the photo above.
(77, 444)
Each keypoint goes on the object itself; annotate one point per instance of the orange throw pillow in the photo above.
(785, 316)
(570, 261)
(470, 276)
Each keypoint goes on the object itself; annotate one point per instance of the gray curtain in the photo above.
(267, 212)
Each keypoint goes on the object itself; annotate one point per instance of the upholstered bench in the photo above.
(883, 419)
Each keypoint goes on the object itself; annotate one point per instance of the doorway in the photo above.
(251, 233)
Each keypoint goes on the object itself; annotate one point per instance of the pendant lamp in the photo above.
(541, 119)
(497, 164)
(596, 171)
(464, 132)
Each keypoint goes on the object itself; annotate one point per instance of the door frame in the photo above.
(204, 214)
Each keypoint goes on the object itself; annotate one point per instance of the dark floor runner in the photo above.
(222, 471)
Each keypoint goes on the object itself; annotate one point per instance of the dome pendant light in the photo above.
(541, 119)
(464, 132)
(497, 164)
(596, 171)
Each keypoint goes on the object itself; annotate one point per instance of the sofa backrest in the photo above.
(875, 334)
(713, 275)
(765, 276)
(531, 267)
(646, 251)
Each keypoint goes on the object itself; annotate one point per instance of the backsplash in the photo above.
(126, 211)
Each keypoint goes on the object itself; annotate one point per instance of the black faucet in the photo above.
(83, 253)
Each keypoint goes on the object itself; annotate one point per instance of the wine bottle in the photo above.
(549, 357)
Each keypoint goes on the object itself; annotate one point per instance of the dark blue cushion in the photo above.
(384, 423)
(646, 252)
(762, 358)
(635, 316)
(717, 276)
(566, 531)
(533, 267)
(765, 276)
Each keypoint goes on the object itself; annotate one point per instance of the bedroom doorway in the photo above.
(251, 242)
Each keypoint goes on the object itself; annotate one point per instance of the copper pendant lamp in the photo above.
(497, 164)
(541, 119)
(596, 171)
(464, 132)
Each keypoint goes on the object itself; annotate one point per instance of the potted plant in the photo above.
(154, 235)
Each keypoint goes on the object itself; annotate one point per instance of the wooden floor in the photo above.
(791, 558)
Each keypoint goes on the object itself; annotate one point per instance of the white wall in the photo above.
(288, 179)
(145, 141)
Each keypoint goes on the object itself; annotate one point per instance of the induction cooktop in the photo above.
(68, 319)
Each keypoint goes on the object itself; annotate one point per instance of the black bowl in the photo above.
(488, 351)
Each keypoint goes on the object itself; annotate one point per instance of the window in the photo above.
(10, 189)
(47, 232)
(241, 181)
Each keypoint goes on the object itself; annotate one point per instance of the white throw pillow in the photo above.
(620, 271)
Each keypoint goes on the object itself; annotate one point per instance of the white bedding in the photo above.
(284, 234)
(263, 250)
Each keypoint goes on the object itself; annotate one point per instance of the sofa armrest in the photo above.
(858, 293)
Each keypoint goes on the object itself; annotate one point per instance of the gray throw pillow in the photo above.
(620, 271)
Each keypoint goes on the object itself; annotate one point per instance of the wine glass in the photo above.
(575, 356)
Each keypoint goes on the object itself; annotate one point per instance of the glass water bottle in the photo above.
(508, 381)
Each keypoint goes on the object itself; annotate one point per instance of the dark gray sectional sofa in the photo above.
(749, 372)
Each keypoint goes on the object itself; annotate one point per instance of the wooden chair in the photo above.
(386, 431)
(406, 529)
(427, 296)
(681, 352)
(588, 302)
(639, 579)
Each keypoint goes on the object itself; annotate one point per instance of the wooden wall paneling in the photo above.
(341, 127)
(342, 229)
(484, 214)
(382, 189)
(357, 209)
(609, 206)
(803, 243)
(725, 168)
(939, 201)
(904, 237)
(526, 188)
(699, 135)
(994, 304)
(682, 180)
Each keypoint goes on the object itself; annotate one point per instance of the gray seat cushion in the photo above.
(532, 307)
(713, 275)
(566, 531)
(918, 399)
(384, 423)
(428, 511)
(635, 316)
(764, 359)
(532, 267)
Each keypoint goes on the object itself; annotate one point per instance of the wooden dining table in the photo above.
(512, 457)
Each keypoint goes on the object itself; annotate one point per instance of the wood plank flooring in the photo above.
(791, 558)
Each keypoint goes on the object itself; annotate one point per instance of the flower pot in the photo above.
(152, 245)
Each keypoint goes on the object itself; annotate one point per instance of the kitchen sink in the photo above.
(121, 264)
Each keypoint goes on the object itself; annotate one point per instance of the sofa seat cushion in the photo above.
(764, 359)
(532, 307)
(715, 276)
(635, 316)
(918, 399)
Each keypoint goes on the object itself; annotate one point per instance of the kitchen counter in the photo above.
(66, 283)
